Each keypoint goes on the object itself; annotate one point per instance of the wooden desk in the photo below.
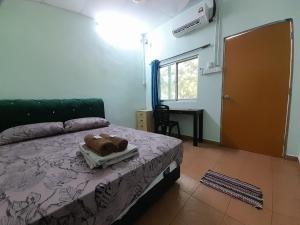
(197, 122)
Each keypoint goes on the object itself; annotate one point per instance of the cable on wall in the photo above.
(144, 43)
(218, 33)
(214, 11)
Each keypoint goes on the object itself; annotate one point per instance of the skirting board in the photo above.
(292, 158)
(189, 138)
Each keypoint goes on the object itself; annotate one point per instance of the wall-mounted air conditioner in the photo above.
(201, 16)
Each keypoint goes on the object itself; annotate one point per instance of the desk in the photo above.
(197, 122)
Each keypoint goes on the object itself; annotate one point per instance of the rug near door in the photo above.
(235, 188)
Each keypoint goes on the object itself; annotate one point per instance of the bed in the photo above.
(46, 180)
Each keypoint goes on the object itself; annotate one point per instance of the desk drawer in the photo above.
(144, 120)
(141, 120)
(141, 115)
(142, 123)
(142, 126)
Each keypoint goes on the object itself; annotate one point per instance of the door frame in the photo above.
(286, 132)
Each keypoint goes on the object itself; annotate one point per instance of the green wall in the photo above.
(236, 16)
(46, 52)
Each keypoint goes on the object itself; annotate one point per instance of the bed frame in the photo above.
(21, 112)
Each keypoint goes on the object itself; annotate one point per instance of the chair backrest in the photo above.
(161, 115)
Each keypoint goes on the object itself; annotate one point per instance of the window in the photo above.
(179, 80)
(168, 82)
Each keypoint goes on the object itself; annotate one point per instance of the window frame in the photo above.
(176, 62)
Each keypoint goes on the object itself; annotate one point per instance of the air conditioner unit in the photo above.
(198, 18)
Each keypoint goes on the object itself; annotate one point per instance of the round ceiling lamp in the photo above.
(138, 1)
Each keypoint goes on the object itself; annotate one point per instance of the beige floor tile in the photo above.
(285, 167)
(278, 219)
(206, 151)
(247, 214)
(209, 152)
(287, 185)
(230, 163)
(230, 221)
(267, 191)
(196, 212)
(212, 197)
(164, 211)
(187, 184)
(257, 166)
(196, 167)
(227, 169)
(191, 203)
(286, 206)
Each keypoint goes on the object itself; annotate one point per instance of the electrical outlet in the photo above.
(212, 70)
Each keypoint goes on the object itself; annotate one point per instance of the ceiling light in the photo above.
(138, 1)
(120, 30)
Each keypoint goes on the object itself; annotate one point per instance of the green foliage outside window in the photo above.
(179, 81)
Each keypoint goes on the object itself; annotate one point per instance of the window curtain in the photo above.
(154, 85)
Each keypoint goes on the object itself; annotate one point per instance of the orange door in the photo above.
(256, 87)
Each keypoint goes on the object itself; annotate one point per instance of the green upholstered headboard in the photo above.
(21, 112)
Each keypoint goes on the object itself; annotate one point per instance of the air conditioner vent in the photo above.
(187, 26)
(199, 18)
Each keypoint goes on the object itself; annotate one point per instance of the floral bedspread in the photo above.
(46, 181)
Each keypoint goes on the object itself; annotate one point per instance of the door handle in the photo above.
(226, 97)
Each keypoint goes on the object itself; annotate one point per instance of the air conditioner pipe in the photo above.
(217, 13)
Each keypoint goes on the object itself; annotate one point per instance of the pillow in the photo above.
(85, 124)
(30, 131)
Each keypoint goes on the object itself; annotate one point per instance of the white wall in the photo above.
(236, 16)
(163, 45)
(46, 52)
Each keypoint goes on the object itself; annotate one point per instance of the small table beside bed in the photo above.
(44, 181)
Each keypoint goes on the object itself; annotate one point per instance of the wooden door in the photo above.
(256, 88)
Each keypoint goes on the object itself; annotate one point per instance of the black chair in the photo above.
(162, 122)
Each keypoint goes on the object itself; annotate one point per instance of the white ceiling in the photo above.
(152, 12)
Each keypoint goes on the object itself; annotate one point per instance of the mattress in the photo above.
(46, 181)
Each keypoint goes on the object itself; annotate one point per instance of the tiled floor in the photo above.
(190, 203)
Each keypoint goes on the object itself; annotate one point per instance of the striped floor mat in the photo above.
(235, 188)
